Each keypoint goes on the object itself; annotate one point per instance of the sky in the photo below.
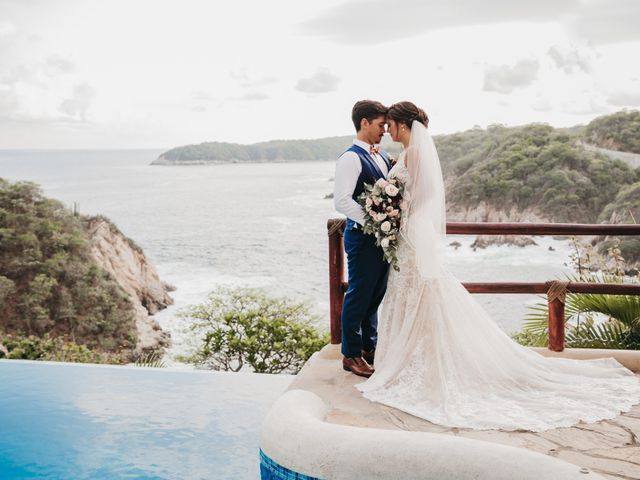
(161, 73)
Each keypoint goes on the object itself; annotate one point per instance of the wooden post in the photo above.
(556, 325)
(335, 229)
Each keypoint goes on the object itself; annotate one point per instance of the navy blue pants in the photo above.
(368, 274)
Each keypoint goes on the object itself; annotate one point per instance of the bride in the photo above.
(441, 357)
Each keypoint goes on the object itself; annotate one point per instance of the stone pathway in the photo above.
(610, 447)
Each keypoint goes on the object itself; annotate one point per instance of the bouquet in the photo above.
(384, 207)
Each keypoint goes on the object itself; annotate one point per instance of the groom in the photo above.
(361, 163)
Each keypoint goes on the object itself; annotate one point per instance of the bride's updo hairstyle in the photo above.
(406, 112)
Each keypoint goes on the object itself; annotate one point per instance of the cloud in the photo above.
(201, 96)
(55, 65)
(606, 21)
(569, 60)
(6, 29)
(378, 21)
(245, 80)
(322, 81)
(625, 99)
(585, 106)
(253, 96)
(79, 103)
(505, 79)
(8, 102)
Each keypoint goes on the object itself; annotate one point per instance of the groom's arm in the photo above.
(348, 170)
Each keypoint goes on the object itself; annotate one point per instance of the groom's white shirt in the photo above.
(348, 170)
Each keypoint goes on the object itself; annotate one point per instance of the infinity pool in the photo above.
(74, 421)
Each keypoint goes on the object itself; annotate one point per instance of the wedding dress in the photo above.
(442, 358)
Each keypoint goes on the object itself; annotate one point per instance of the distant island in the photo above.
(271, 151)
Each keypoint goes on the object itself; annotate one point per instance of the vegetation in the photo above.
(619, 131)
(50, 286)
(591, 320)
(150, 360)
(320, 149)
(52, 349)
(537, 167)
(243, 328)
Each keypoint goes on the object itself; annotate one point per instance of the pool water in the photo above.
(74, 421)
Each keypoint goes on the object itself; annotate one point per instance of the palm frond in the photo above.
(151, 359)
(536, 323)
(611, 334)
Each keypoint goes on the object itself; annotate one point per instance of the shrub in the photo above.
(242, 328)
(52, 349)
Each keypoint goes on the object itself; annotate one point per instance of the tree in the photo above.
(245, 327)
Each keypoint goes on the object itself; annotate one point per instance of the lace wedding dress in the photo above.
(442, 358)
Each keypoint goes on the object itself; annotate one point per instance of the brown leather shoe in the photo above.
(369, 356)
(358, 366)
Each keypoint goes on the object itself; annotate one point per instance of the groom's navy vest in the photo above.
(370, 174)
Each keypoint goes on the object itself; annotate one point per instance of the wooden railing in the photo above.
(338, 286)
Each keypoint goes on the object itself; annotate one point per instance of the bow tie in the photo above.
(374, 149)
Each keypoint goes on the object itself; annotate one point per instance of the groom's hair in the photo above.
(368, 109)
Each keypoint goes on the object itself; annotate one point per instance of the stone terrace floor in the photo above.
(610, 447)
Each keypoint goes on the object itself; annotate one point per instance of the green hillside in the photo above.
(534, 166)
(50, 286)
(619, 131)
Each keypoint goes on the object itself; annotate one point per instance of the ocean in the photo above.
(257, 225)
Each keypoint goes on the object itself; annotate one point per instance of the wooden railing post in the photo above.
(556, 295)
(556, 325)
(335, 229)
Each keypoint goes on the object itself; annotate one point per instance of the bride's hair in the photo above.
(406, 112)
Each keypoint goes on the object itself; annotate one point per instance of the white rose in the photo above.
(385, 227)
(368, 202)
(381, 217)
(382, 183)
(391, 190)
(384, 243)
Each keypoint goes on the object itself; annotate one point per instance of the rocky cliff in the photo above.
(128, 265)
(483, 212)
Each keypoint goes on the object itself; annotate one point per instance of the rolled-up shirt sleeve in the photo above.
(348, 170)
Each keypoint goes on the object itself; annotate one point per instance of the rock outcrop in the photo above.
(128, 265)
(487, 213)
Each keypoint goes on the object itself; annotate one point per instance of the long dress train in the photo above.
(442, 358)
